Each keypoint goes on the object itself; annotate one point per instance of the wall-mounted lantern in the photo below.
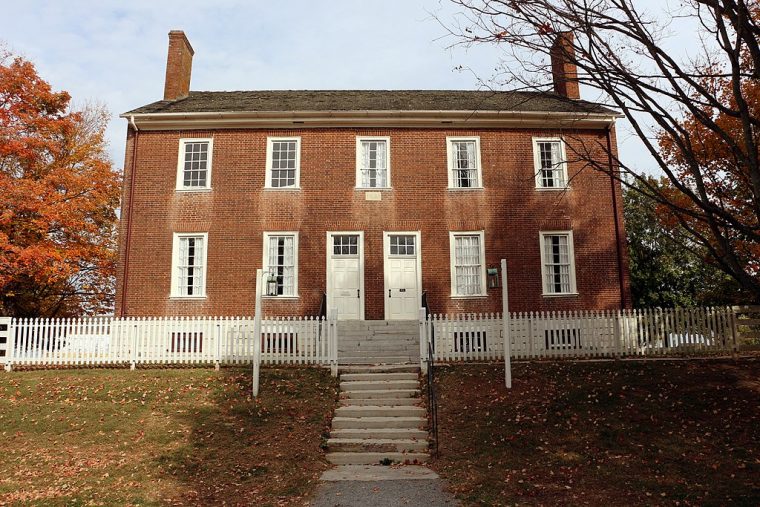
(493, 278)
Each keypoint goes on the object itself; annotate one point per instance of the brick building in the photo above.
(367, 197)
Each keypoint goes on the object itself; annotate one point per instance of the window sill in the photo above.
(465, 189)
(562, 295)
(373, 189)
(472, 296)
(283, 189)
(187, 298)
(194, 190)
(281, 298)
(553, 189)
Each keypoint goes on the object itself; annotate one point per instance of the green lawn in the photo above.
(613, 433)
(173, 436)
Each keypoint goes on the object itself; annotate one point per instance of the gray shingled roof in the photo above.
(371, 100)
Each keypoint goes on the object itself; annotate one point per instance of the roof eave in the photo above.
(371, 118)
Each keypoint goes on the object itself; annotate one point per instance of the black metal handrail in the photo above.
(431, 393)
(432, 402)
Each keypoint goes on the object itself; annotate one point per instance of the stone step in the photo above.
(378, 359)
(381, 402)
(376, 458)
(378, 385)
(383, 433)
(378, 376)
(345, 423)
(387, 368)
(382, 393)
(378, 411)
(376, 445)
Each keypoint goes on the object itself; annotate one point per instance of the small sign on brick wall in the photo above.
(373, 196)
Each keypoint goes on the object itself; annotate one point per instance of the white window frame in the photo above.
(570, 253)
(450, 158)
(180, 187)
(265, 264)
(452, 262)
(537, 162)
(359, 140)
(175, 288)
(268, 176)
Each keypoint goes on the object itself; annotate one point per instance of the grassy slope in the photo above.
(631, 433)
(162, 436)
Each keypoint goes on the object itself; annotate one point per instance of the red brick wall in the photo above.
(238, 210)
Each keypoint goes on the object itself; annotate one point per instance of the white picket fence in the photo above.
(579, 334)
(167, 340)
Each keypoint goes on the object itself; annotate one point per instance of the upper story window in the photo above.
(281, 264)
(558, 264)
(283, 162)
(189, 265)
(194, 166)
(468, 273)
(464, 162)
(550, 163)
(372, 162)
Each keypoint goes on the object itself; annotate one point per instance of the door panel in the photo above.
(344, 273)
(402, 294)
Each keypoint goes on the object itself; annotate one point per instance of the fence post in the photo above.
(257, 334)
(423, 341)
(732, 314)
(218, 342)
(10, 343)
(133, 345)
(333, 341)
(505, 325)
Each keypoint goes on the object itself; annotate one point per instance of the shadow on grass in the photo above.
(263, 451)
(625, 433)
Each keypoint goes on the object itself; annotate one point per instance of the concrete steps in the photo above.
(381, 419)
(381, 402)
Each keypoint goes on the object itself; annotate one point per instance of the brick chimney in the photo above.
(179, 65)
(564, 71)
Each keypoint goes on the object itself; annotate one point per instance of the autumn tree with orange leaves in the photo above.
(695, 110)
(58, 198)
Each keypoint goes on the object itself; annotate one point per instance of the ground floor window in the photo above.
(281, 264)
(467, 264)
(189, 265)
(558, 265)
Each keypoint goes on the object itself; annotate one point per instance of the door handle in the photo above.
(357, 293)
(389, 293)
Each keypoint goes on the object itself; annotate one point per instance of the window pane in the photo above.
(346, 244)
(195, 165)
(373, 164)
(551, 164)
(284, 163)
(402, 245)
(281, 267)
(190, 267)
(465, 169)
(468, 269)
(557, 264)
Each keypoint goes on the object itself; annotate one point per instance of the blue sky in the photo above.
(115, 52)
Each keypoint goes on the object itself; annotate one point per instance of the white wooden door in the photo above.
(402, 276)
(345, 275)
